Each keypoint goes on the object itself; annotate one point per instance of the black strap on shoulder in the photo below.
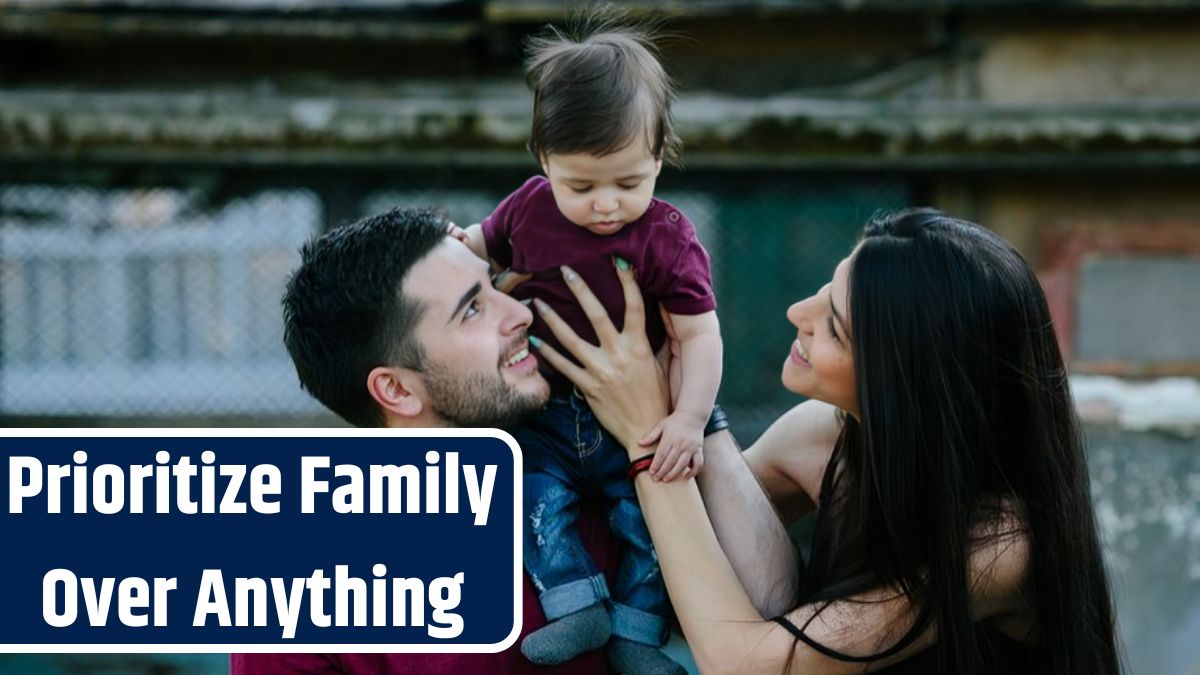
(800, 635)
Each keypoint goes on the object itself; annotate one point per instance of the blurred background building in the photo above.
(161, 161)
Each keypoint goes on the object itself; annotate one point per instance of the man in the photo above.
(392, 323)
(395, 290)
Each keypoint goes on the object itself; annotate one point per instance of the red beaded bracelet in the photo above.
(639, 465)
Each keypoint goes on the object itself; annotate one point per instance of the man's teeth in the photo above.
(517, 358)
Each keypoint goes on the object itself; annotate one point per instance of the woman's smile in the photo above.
(798, 355)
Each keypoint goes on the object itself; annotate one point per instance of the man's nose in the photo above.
(517, 317)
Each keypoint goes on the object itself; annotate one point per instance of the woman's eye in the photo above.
(630, 186)
(580, 190)
(471, 310)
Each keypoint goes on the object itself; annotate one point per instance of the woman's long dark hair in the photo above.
(965, 414)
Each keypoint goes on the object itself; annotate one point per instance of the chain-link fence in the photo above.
(146, 301)
(162, 302)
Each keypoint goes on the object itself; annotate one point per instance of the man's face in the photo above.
(478, 369)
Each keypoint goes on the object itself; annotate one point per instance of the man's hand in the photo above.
(506, 280)
(503, 280)
(680, 451)
(472, 237)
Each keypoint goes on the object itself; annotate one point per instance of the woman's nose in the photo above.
(793, 314)
(797, 316)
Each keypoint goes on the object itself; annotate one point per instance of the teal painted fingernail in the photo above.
(569, 274)
(537, 344)
(622, 264)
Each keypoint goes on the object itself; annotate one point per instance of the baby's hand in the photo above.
(680, 447)
(458, 233)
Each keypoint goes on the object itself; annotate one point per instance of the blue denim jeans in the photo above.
(568, 454)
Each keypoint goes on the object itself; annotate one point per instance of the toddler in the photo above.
(601, 130)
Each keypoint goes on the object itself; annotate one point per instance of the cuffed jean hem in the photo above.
(638, 626)
(573, 596)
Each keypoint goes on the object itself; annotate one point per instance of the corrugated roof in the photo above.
(492, 120)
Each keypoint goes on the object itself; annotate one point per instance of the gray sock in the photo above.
(634, 658)
(567, 637)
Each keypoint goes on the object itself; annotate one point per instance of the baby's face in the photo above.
(603, 194)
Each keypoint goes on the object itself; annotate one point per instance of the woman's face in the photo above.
(820, 364)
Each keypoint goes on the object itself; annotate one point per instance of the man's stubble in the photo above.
(478, 400)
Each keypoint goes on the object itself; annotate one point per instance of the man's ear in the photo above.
(397, 390)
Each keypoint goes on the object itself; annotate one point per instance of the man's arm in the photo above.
(751, 497)
(748, 528)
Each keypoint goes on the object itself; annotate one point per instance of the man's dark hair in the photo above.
(344, 312)
(598, 93)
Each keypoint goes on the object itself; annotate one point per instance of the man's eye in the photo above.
(471, 310)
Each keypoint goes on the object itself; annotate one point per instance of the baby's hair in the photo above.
(596, 89)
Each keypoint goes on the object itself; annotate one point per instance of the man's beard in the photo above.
(477, 400)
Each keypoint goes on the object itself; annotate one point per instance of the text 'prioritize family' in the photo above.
(291, 549)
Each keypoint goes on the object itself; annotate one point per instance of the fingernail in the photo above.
(541, 306)
(526, 301)
(569, 274)
(622, 264)
(537, 344)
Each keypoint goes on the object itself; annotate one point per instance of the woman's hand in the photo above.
(621, 379)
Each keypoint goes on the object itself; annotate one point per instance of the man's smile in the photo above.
(521, 361)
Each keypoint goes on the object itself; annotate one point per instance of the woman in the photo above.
(954, 532)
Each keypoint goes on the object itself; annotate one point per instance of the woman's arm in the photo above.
(750, 530)
(627, 391)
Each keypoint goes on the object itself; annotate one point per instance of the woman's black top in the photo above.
(1003, 654)
(826, 577)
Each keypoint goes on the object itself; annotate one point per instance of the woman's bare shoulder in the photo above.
(999, 564)
(795, 449)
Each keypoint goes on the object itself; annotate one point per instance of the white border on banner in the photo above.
(284, 647)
